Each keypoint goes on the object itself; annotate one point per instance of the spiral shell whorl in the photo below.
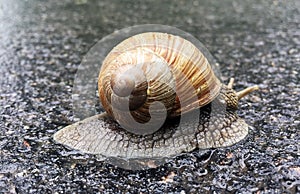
(159, 64)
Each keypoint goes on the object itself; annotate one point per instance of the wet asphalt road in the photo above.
(43, 43)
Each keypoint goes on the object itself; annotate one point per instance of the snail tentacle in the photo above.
(243, 92)
(246, 91)
(230, 83)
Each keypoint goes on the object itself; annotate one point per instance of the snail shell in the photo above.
(152, 67)
(164, 68)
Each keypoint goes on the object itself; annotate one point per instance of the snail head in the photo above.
(231, 97)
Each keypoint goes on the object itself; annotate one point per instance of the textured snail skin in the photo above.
(102, 135)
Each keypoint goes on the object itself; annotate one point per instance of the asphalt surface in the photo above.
(42, 45)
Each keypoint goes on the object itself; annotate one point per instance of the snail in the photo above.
(161, 98)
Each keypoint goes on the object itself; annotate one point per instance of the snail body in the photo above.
(166, 99)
